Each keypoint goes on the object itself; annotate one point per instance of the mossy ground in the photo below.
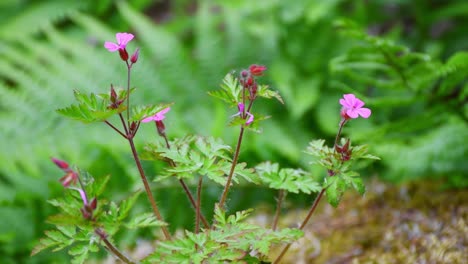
(419, 222)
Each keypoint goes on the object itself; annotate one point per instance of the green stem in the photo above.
(304, 223)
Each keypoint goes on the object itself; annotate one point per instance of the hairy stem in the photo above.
(192, 201)
(337, 138)
(304, 223)
(129, 68)
(112, 248)
(185, 187)
(279, 202)
(231, 172)
(148, 189)
(198, 214)
(116, 129)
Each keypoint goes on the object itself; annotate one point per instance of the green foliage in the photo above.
(79, 234)
(291, 180)
(231, 240)
(194, 156)
(90, 108)
(51, 47)
(340, 177)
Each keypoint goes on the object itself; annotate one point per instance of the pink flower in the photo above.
(82, 194)
(122, 40)
(159, 116)
(353, 107)
(241, 108)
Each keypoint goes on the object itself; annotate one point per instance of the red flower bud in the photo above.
(123, 54)
(253, 91)
(93, 204)
(113, 94)
(244, 74)
(161, 128)
(61, 164)
(257, 70)
(135, 55)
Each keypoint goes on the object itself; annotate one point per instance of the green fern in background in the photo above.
(415, 83)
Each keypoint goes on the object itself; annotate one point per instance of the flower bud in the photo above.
(253, 91)
(61, 164)
(123, 54)
(135, 55)
(257, 70)
(93, 204)
(244, 74)
(113, 94)
(161, 128)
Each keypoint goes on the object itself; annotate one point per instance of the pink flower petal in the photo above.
(123, 39)
(364, 112)
(250, 120)
(358, 103)
(148, 119)
(352, 113)
(82, 194)
(349, 98)
(111, 46)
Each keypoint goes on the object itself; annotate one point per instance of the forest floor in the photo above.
(421, 222)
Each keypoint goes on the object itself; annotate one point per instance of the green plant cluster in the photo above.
(409, 68)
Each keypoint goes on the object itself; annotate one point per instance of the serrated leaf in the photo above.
(335, 188)
(144, 220)
(264, 91)
(230, 90)
(291, 180)
(126, 205)
(90, 108)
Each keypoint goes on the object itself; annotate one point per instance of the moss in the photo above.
(413, 223)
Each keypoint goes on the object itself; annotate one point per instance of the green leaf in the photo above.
(144, 220)
(291, 180)
(353, 179)
(90, 108)
(126, 205)
(335, 189)
(264, 91)
(230, 90)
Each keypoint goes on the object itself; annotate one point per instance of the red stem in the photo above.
(231, 172)
(304, 223)
(148, 189)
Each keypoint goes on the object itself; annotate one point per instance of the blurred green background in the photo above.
(406, 59)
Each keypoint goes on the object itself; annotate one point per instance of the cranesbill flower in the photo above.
(241, 108)
(353, 107)
(122, 40)
(159, 116)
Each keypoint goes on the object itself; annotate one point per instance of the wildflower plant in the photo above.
(88, 222)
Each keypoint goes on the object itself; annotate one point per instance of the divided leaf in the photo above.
(90, 108)
(291, 180)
